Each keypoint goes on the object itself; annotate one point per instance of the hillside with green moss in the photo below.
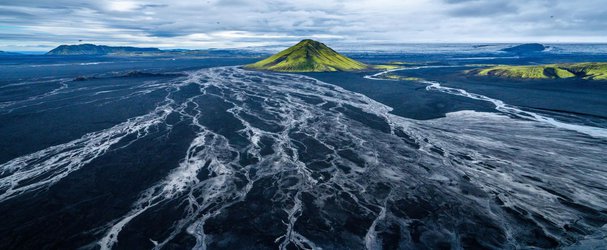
(589, 71)
(308, 56)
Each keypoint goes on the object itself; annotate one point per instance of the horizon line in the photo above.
(284, 44)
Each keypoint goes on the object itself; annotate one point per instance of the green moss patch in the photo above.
(308, 56)
(590, 71)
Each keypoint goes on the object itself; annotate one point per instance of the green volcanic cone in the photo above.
(308, 56)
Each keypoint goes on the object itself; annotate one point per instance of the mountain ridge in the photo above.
(105, 50)
(7, 53)
(92, 49)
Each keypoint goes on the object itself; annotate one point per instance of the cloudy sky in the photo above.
(28, 25)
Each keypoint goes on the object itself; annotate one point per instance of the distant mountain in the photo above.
(588, 71)
(92, 49)
(100, 50)
(5, 53)
(308, 56)
(526, 48)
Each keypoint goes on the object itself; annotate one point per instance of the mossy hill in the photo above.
(308, 56)
(589, 71)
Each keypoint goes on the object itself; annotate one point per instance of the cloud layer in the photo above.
(43, 24)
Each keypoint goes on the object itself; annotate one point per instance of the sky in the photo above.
(40, 25)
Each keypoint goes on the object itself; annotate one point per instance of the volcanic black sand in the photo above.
(199, 153)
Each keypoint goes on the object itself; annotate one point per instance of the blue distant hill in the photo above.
(5, 53)
(526, 48)
(102, 50)
(92, 49)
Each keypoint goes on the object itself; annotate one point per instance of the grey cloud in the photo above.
(468, 8)
(211, 23)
